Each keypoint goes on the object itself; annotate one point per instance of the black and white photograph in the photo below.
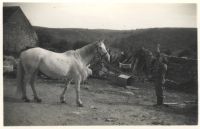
(100, 63)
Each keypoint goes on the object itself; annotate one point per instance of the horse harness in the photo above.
(101, 55)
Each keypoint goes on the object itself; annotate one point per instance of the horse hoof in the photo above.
(25, 99)
(38, 100)
(63, 101)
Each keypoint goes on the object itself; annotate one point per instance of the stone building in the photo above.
(18, 33)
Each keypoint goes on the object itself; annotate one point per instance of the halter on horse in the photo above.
(71, 66)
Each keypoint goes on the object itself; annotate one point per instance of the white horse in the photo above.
(71, 66)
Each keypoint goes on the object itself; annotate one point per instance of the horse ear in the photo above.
(98, 43)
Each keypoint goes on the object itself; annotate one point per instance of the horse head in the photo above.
(143, 61)
(101, 49)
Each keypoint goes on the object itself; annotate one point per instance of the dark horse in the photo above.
(145, 61)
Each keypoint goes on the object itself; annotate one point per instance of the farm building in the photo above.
(17, 31)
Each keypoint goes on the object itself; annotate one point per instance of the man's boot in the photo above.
(159, 100)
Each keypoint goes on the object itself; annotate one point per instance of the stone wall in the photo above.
(184, 72)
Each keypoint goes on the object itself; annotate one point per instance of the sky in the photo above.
(120, 16)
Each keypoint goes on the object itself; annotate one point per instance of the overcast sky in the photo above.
(109, 15)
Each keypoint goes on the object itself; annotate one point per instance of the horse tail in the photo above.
(20, 77)
(20, 71)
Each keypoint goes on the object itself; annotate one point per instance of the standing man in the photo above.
(159, 71)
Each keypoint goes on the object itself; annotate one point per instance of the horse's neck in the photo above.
(87, 53)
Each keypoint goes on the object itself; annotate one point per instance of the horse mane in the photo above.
(87, 50)
(87, 47)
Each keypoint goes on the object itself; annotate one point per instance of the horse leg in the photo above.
(78, 100)
(62, 96)
(36, 98)
(25, 83)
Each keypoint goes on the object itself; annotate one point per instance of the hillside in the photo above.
(175, 41)
(171, 40)
(51, 37)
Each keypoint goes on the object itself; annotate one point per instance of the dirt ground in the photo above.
(104, 104)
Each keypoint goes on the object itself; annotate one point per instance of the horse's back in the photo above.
(35, 52)
(54, 65)
(31, 58)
